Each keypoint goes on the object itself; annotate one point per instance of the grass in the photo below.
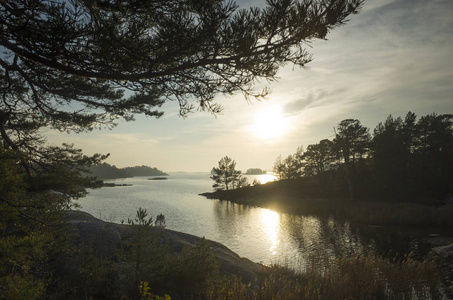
(369, 277)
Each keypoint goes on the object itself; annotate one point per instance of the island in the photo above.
(255, 171)
(112, 184)
(158, 178)
(107, 171)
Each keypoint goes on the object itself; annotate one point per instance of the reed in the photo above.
(324, 277)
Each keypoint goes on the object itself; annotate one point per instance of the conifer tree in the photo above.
(226, 176)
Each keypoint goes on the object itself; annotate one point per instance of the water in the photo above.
(259, 234)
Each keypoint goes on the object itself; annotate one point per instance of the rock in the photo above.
(105, 238)
(446, 251)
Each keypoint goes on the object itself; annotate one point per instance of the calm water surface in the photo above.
(259, 234)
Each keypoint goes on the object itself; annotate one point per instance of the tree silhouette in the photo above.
(433, 154)
(413, 159)
(351, 144)
(391, 149)
(226, 176)
(92, 51)
(317, 157)
(405, 160)
(291, 167)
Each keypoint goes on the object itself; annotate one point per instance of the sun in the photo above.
(270, 123)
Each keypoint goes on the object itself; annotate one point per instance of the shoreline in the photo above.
(287, 197)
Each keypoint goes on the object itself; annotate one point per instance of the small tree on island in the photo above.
(226, 176)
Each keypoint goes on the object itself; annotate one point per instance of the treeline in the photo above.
(403, 159)
(255, 171)
(107, 171)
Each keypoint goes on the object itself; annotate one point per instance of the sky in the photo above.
(394, 57)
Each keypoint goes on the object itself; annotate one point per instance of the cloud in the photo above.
(309, 99)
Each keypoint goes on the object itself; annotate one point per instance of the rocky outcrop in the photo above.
(446, 251)
(105, 238)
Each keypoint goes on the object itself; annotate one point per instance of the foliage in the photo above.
(159, 271)
(291, 167)
(392, 145)
(147, 295)
(81, 273)
(404, 160)
(318, 157)
(226, 176)
(21, 260)
(351, 144)
(93, 51)
(412, 160)
(433, 154)
(351, 141)
(34, 193)
(190, 273)
(143, 240)
(28, 224)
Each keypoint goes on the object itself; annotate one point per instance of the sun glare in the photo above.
(269, 123)
(270, 221)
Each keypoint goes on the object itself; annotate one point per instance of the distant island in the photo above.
(158, 178)
(255, 171)
(111, 184)
(107, 171)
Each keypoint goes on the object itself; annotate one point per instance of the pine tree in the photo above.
(226, 176)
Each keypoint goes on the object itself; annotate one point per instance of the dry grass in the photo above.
(369, 277)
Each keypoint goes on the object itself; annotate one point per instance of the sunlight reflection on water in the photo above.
(270, 224)
(263, 178)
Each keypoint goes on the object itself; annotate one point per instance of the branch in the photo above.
(16, 149)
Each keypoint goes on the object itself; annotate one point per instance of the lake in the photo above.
(260, 234)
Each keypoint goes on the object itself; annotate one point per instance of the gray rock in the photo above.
(105, 238)
(446, 251)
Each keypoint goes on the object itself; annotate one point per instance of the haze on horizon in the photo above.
(395, 56)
